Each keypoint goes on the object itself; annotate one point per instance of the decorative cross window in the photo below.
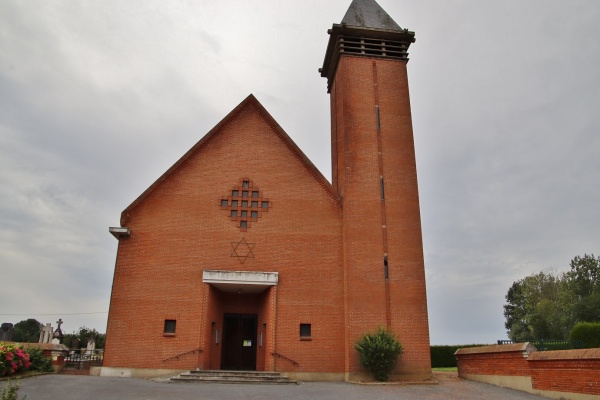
(239, 209)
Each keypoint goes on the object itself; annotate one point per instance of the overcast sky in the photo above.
(99, 98)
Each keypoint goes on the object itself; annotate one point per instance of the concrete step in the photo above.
(254, 377)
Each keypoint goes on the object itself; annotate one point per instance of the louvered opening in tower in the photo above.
(373, 47)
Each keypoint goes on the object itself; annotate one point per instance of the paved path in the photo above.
(66, 387)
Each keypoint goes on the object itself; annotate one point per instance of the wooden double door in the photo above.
(239, 342)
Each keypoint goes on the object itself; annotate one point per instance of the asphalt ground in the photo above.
(69, 387)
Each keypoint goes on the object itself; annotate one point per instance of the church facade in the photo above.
(242, 256)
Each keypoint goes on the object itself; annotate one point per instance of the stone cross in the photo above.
(58, 335)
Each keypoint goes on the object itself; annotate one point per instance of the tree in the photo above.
(587, 309)
(27, 331)
(585, 275)
(532, 309)
(547, 306)
(83, 335)
(516, 314)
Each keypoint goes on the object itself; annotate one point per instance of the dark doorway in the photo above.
(239, 342)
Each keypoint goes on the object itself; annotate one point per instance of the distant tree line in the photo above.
(548, 305)
(28, 331)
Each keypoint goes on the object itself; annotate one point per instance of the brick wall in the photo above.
(563, 373)
(327, 242)
(576, 371)
(364, 155)
(179, 230)
(507, 360)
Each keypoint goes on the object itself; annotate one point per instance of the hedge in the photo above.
(588, 333)
(443, 356)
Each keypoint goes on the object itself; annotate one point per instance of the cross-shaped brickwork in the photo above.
(245, 204)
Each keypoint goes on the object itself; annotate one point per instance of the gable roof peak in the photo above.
(252, 103)
(369, 14)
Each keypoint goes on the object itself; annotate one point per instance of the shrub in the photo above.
(10, 392)
(379, 352)
(12, 359)
(39, 362)
(588, 333)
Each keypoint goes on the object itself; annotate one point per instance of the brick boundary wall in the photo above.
(566, 371)
(560, 374)
(57, 352)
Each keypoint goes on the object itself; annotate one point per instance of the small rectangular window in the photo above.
(254, 214)
(244, 214)
(305, 331)
(244, 203)
(255, 204)
(254, 194)
(223, 203)
(234, 193)
(243, 224)
(246, 184)
(244, 193)
(265, 204)
(234, 203)
(234, 213)
(170, 326)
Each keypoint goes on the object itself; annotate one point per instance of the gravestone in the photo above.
(6, 332)
(46, 334)
(91, 345)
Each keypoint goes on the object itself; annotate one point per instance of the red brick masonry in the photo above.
(576, 371)
(568, 371)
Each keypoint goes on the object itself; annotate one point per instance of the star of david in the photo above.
(242, 250)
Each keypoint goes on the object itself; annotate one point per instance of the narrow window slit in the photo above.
(385, 266)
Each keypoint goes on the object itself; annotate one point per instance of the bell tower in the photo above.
(374, 171)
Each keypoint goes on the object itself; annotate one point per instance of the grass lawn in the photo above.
(445, 369)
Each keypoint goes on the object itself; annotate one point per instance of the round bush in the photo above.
(379, 352)
(588, 333)
(12, 359)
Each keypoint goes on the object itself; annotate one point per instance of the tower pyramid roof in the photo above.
(369, 14)
(365, 31)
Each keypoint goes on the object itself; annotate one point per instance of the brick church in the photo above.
(242, 256)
